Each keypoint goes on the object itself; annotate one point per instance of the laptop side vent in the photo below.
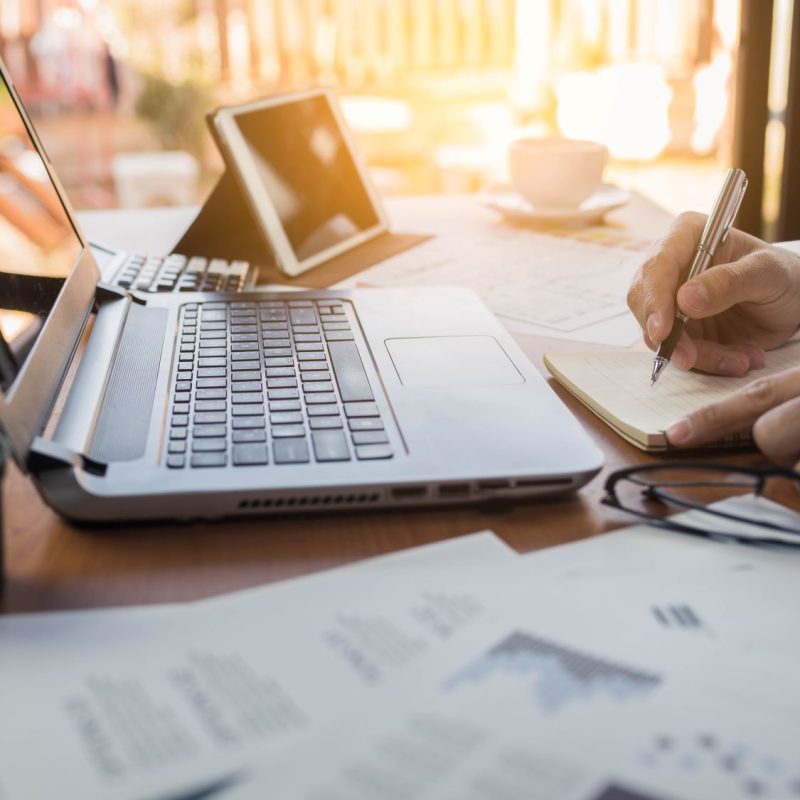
(311, 501)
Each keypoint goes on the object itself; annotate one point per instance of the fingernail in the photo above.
(695, 296)
(680, 432)
(653, 324)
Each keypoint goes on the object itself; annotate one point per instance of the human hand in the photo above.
(747, 302)
(770, 405)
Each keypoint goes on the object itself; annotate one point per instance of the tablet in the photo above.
(297, 164)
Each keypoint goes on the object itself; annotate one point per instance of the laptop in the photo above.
(201, 405)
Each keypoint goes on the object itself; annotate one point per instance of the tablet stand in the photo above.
(226, 227)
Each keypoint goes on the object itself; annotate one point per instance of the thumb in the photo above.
(756, 278)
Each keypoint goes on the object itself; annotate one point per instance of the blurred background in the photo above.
(433, 89)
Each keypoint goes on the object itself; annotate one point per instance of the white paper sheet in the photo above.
(132, 704)
(577, 690)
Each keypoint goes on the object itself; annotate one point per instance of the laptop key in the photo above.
(303, 316)
(288, 431)
(183, 386)
(323, 410)
(370, 437)
(249, 454)
(369, 424)
(290, 451)
(315, 375)
(322, 386)
(210, 405)
(279, 372)
(330, 445)
(209, 459)
(210, 394)
(361, 410)
(285, 418)
(247, 409)
(178, 433)
(308, 347)
(176, 447)
(317, 399)
(180, 421)
(209, 445)
(284, 405)
(338, 336)
(181, 397)
(309, 366)
(370, 452)
(240, 423)
(176, 461)
(211, 383)
(277, 362)
(349, 371)
(210, 417)
(282, 394)
(210, 431)
(249, 435)
(211, 362)
(244, 398)
(245, 386)
(320, 423)
(271, 352)
(212, 372)
(180, 408)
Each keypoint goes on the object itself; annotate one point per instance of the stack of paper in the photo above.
(636, 665)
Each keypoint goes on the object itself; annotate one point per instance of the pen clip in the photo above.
(734, 210)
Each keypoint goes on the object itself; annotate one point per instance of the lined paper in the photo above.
(616, 385)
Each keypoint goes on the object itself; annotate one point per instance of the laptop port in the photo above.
(409, 492)
(454, 490)
(494, 485)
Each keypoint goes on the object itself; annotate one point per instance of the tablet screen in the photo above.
(308, 171)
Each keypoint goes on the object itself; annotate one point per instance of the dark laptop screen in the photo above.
(38, 244)
(309, 173)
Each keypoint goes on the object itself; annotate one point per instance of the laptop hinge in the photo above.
(105, 292)
(45, 455)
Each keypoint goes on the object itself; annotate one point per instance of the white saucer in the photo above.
(512, 205)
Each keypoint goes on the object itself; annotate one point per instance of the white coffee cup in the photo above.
(556, 173)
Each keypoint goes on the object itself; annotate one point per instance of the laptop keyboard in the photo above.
(271, 382)
(177, 273)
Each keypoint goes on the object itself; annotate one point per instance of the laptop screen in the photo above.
(309, 172)
(38, 244)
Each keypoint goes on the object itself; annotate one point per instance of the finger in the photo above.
(777, 433)
(730, 360)
(652, 296)
(759, 277)
(735, 413)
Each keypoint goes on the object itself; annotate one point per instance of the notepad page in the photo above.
(617, 385)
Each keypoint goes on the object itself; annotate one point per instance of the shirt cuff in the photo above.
(792, 247)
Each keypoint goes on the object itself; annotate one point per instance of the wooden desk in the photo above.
(51, 564)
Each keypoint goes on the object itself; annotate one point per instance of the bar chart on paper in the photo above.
(558, 675)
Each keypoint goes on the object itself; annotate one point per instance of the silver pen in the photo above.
(715, 233)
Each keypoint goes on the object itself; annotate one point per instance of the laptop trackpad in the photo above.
(452, 361)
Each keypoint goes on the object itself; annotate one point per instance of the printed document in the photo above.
(129, 704)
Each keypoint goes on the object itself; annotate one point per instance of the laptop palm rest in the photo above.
(124, 420)
(452, 361)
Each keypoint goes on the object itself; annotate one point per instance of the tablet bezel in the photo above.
(240, 159)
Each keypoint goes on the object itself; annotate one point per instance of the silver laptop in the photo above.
(192, 405)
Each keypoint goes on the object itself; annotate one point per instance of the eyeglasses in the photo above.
(695, 487)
